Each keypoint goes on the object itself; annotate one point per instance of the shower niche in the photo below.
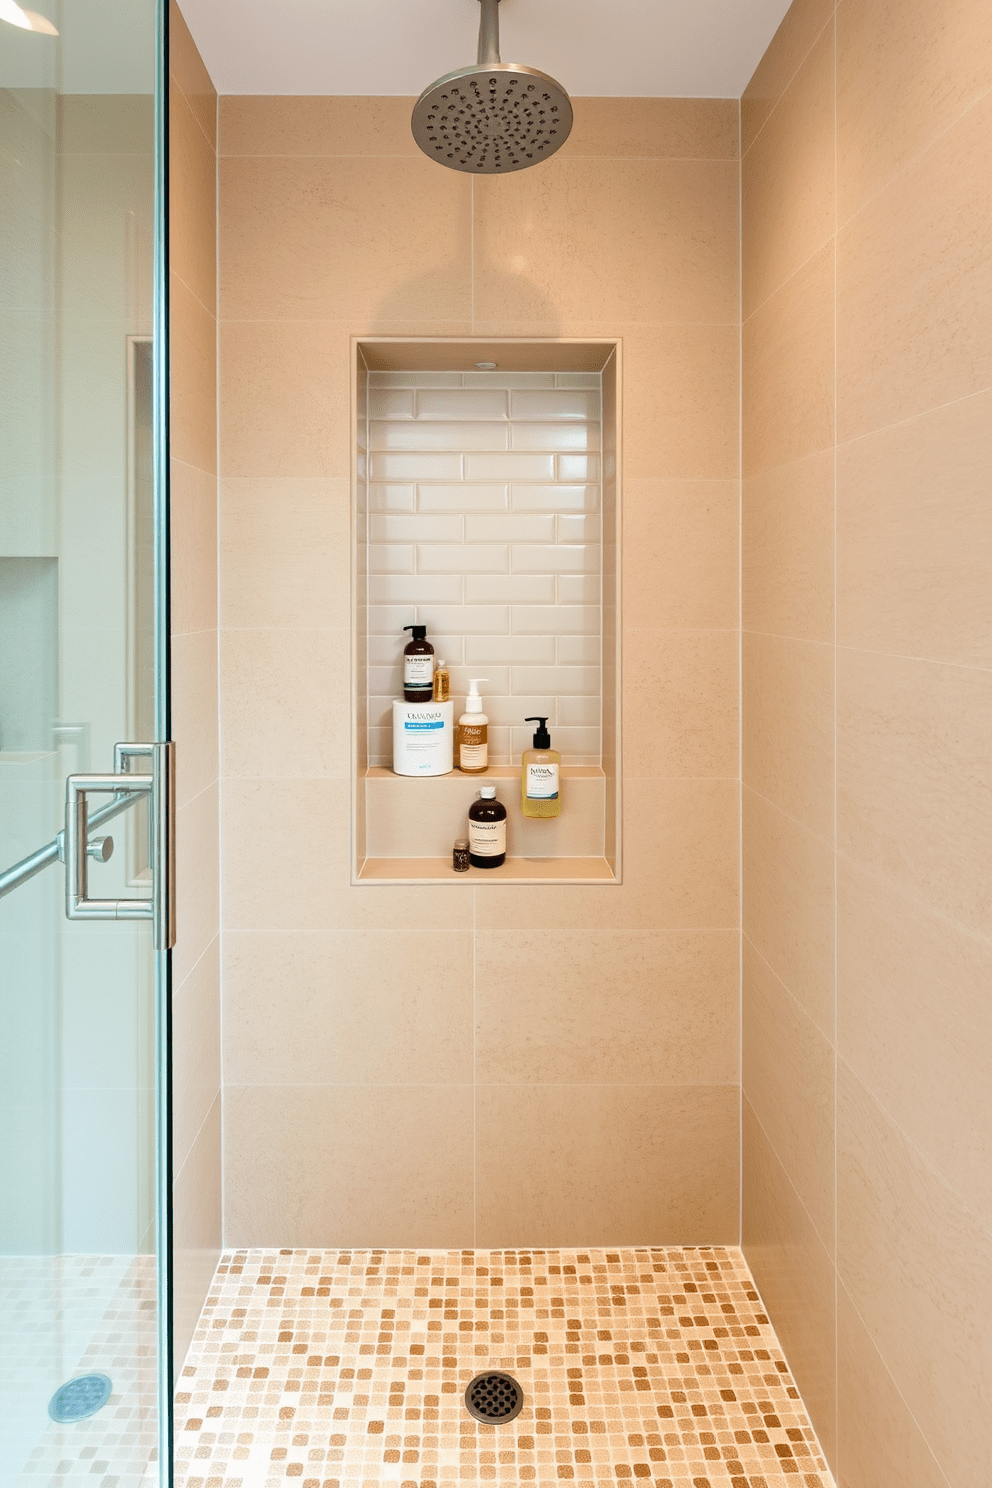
(486, 507)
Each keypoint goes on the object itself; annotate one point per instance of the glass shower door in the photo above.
(83, 887)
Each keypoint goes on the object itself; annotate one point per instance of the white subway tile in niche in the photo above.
(431, 434)
(484, 525)
(563, 438)
(560, 404)
(511, 589)
(561, 497)
(463, 497)
(462, 403)
(511, 465)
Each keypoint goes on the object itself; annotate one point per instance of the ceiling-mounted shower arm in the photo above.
(488, 34)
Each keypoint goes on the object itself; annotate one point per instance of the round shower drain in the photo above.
(494, 1397)
(79, 1398)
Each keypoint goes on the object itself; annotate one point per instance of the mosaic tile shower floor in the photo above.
(66, 1316)
(347, 1369)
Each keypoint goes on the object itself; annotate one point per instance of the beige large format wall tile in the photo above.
(526, 247)
(259, 126)
(665, 128)
(193, 372)
(195, 1051)
(674, 128)
(788, 369)
(369, 1166)
(914, 529)
(919, 1271)
(287, 862)
(400, 229)
(333, 225)
(192, 198)
(914, 285)
(196, 1096)
(196, 1229)
(787, 558)
(589, 1161)
(788, 1081)
(801, 25)
(681, 868)
(877, 1424)
(914, 1022)
(914, 775)
(618, 1007)
(189, 77)
(285, 401)
(899, 512)
(284, 553)
(788, 701)
(687, 530)
(194, 700)
(794, 1273)
(787, 179)
(386, 1008)
(681, 713)
(197, 889)
(788, 903)
(905, 73)
(193, 533)
(281, 718)
(681, 401)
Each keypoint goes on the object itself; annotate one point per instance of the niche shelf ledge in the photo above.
(514, 870)
(411, 825)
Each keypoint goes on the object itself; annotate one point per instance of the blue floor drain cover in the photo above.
(79, 1398)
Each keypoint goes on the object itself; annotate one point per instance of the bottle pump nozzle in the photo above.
(473, 702)
(542, 739)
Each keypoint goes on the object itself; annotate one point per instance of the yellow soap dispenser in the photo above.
(540, 778)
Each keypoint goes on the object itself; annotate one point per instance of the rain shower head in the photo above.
(495, 117)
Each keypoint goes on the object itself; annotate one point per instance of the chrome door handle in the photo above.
(159, 787)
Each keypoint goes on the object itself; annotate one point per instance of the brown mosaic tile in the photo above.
(347, 1369)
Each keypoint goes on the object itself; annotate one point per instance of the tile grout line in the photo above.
(475, 1069)
(834, 858)
(220, 755)
(740, 675)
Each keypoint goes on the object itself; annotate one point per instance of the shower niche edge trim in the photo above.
(591, 845)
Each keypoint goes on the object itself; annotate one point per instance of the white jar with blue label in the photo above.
(422, 738)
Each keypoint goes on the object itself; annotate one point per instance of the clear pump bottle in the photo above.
(540, 778)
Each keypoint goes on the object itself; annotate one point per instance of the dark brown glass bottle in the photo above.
(487, 830)
(418, 667)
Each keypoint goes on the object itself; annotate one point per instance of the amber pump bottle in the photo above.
(487, 830)
(418, 667)
(540, 778)
(442, 681)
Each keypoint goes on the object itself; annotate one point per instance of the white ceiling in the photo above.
(637, 48)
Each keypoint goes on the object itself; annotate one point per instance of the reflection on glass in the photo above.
(78, 1298)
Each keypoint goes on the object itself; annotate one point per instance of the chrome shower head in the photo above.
(495, 117)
